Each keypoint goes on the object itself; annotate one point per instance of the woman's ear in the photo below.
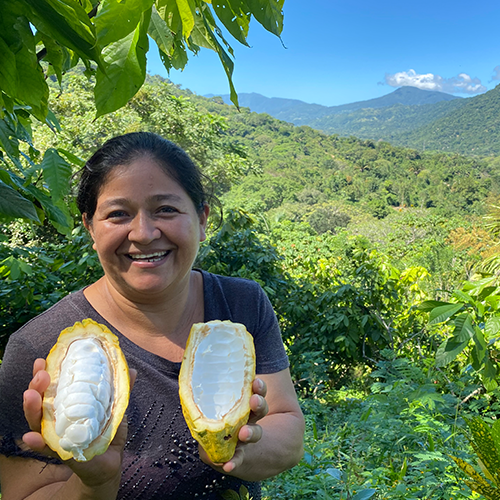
(88, 226)
(203, 221)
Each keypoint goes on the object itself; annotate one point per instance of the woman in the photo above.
(143, 203)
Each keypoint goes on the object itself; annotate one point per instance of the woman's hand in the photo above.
(251, 432)
(272, 440)
(102, 469)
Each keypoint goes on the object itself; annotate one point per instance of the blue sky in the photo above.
(341, 51)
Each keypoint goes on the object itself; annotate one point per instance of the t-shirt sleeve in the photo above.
(269, 349)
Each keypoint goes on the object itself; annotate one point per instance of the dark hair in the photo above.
(123, 150)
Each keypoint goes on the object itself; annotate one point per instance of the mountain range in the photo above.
(408, 116)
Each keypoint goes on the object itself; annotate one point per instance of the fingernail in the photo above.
(260, 384)
(250, 434)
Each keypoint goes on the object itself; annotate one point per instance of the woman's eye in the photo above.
(116, 214)
(167, 210)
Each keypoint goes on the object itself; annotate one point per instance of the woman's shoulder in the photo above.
(238, 299)
(230, 285)
(42, 330)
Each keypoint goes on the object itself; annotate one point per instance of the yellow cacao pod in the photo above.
(88, 392)
(215, 385)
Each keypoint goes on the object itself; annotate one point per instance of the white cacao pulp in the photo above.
(84, 396)
(88, 392)
(218, 372)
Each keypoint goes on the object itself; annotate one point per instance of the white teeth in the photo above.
(148, 256)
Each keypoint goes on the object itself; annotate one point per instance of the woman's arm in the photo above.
(22, 478)
(275, 443)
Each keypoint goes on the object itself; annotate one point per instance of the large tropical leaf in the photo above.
(13, 204)
(442, 313)
(56, 173)
(68, 23)
(126, 69)
(115, 20)
(449, 350)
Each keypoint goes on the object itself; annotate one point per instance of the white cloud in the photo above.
(496, 75)
(460, 84)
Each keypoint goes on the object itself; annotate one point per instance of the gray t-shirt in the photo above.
(161, 458)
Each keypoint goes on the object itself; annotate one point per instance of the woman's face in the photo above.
(146, 230)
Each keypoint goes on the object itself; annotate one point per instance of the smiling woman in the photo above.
(143, 203)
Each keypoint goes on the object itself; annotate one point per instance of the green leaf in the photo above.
(470, 471)
(160, 32)
(464, 329)
(8, 145)
(54, 213)
(57, 173)
(442, 313)
(31, 88)
(186, 11)
(117, 19)
(492, 327)
(71, 157)
(234, 16)
(8, 71)
(13, 204)
(69, 24)
(227, 63)
(429, 305)
(230, 495)
(449, 350)
(126, 69)
(490, 492)
(462, 297)
(55, 56)
(364, 494)
(269, 13)
(478, 352)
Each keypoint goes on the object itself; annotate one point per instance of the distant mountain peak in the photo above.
(302, 113)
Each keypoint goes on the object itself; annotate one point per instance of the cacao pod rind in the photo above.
(228, 351)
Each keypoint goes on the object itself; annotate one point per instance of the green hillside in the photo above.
(471, 128)
(385, 123)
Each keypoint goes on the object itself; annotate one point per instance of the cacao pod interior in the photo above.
(215, 385)
(88, 393)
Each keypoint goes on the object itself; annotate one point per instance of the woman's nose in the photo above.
(143, 229)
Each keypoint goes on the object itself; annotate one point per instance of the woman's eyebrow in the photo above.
(166, 197)
(155, 198)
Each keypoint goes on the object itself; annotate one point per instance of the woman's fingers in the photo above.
(33, 409)
(35, 442)
(38, 365)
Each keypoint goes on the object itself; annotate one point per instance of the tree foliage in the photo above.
(44, 38)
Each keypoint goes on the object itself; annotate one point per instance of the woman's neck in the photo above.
(161, 326)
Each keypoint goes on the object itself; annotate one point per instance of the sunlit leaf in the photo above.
(68, 23)
(186, 11)
(126, 69)
(492, 327)
(442, 313)
(116, 19)
(269, 13)
(160, 32)
(449, 350)
(57, 173)
(234, 16)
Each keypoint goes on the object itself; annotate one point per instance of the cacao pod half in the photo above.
(88, 392)
(215, 385)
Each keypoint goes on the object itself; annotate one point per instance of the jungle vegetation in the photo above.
(380, 261)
